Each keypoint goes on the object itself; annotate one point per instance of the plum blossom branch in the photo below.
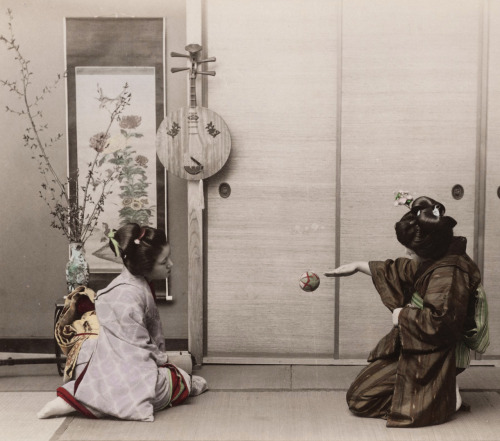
(69, 216)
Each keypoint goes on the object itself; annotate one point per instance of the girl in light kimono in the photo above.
(411, 378)
(125, 372)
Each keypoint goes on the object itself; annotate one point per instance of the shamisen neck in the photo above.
(192, 91)
(192, 114)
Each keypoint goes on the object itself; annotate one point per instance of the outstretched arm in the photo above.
(349, 269)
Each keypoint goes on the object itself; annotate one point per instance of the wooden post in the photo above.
(195, 269)
(195, 217)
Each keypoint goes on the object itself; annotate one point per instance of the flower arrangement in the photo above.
(74, 214)
(403, 198)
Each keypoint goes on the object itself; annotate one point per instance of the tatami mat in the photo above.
(297, 377)
(246, 402)
(31, 383)
(300, 415)
(28, 377)
(18, 421)
(480, 378)
(237, 377)
(324, 377)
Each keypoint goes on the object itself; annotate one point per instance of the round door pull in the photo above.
(224, 190)
(457, 192)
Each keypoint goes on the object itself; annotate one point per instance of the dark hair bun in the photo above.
(139, 246)
(425, 229)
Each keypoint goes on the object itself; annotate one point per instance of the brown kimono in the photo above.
(410, 380)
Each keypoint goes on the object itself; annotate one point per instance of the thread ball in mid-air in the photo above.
(309, 281)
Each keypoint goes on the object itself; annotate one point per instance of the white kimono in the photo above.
(123, 378)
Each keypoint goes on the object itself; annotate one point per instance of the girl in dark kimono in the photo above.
(411, 378)
(125, 373)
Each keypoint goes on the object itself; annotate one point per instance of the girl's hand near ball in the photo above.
(349, 269)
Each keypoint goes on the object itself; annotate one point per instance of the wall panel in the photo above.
(492, 230)
(276, 89)
(409, 92)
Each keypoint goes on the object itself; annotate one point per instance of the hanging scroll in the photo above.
(106, 56)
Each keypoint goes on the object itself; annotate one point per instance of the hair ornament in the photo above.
(138, 240)
(403, 198)
(111, 236)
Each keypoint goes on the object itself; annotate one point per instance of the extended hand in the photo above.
(344, 270)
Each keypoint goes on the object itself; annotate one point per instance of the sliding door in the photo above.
(409, 94)
(275, 87)
(492, 230)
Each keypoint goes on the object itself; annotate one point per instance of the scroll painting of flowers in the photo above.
(128, 147)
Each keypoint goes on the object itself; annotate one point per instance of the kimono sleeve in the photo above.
(392, 278)
(440, 322)
(132, 326)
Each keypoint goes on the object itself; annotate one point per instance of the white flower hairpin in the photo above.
(138, 240)
(403, 198)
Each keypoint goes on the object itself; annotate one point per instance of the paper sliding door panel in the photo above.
(409, 109)
(276, 89)
(492, 231)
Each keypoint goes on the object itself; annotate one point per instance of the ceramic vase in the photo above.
(77, 268)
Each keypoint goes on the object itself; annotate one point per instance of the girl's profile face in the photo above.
(163, 265)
